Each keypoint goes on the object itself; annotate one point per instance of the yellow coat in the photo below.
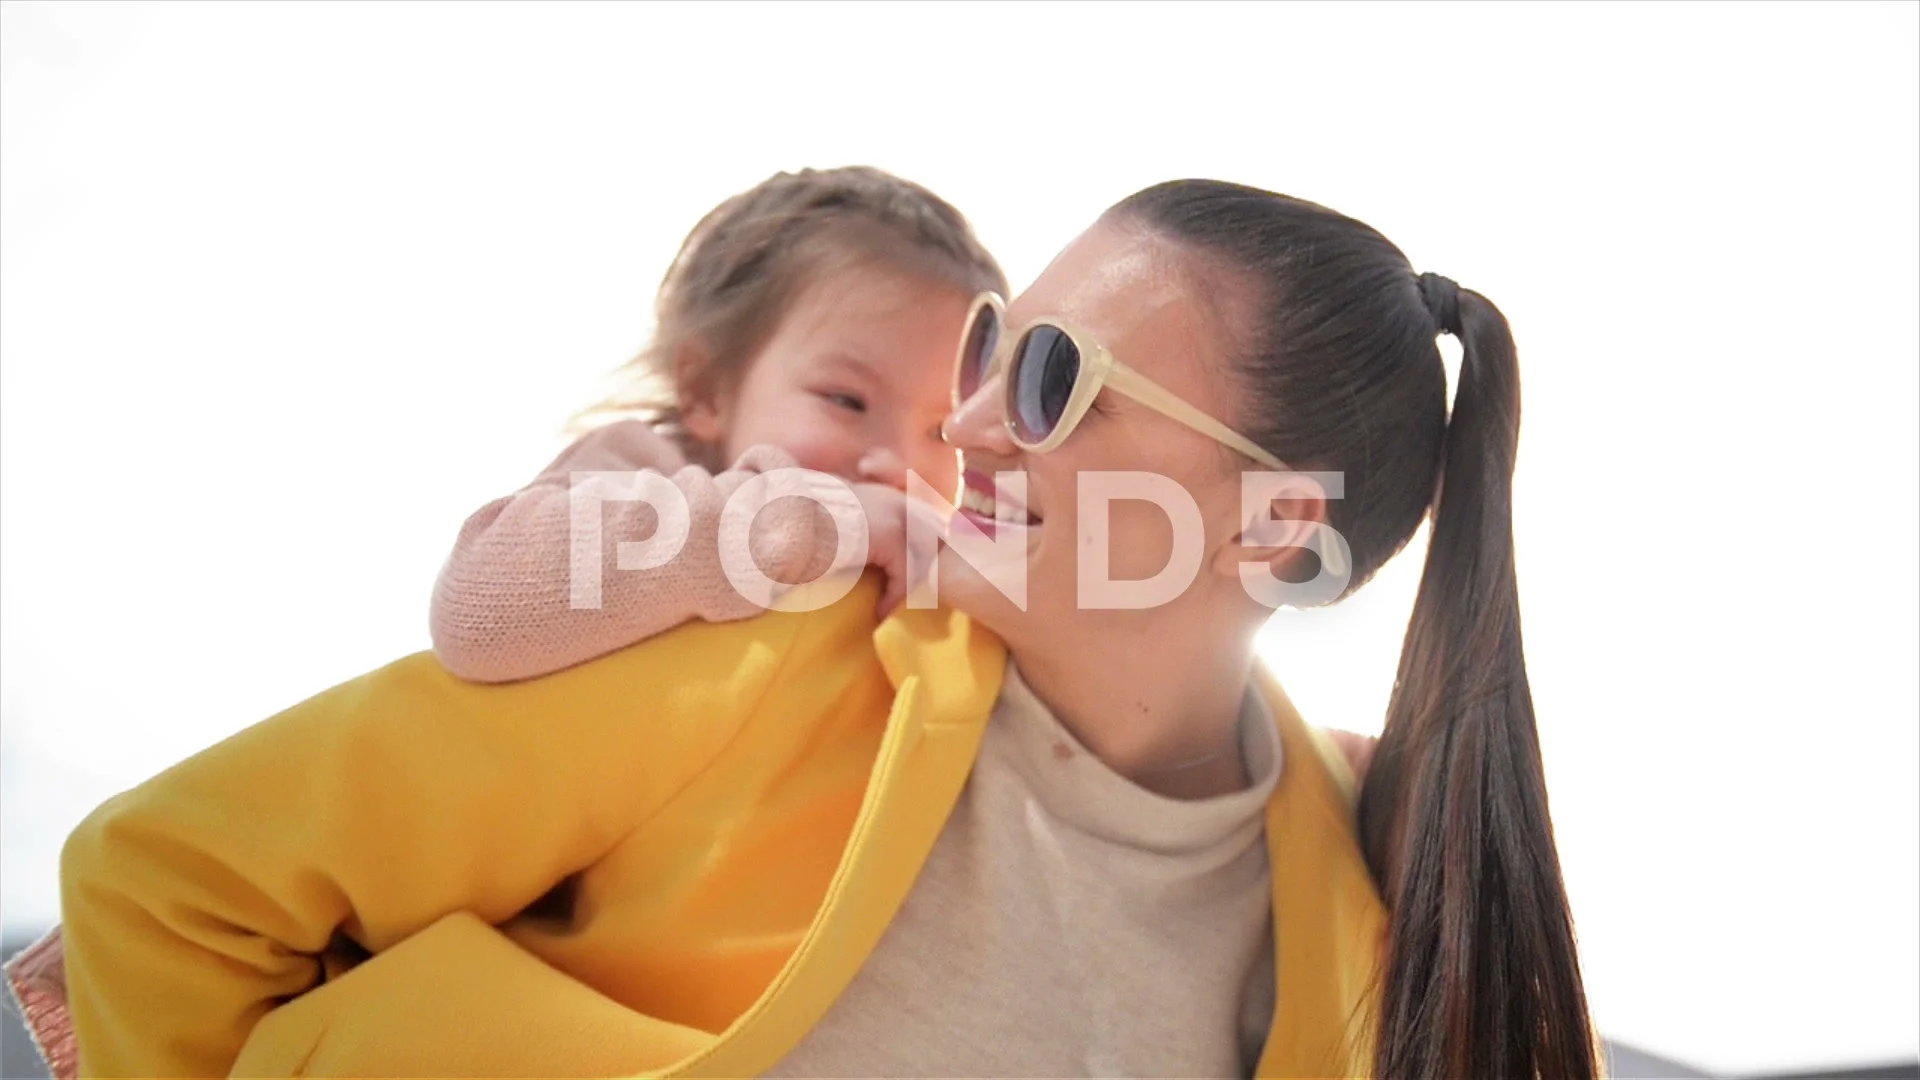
(737, 811)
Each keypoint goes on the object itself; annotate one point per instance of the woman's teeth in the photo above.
(987, 506)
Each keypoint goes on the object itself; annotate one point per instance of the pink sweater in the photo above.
(37, 978)
(503, 606)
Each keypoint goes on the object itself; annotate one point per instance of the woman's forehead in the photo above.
(1132, 291)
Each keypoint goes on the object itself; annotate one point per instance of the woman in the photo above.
(996, 838)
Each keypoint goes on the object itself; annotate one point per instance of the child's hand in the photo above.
(903, 552)
(885, 477)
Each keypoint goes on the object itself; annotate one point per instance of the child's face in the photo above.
(862, 363)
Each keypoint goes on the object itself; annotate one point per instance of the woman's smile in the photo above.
(993, 510)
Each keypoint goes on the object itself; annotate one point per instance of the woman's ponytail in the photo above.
(1480, 978)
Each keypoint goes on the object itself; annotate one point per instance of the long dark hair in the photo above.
(1342, 371)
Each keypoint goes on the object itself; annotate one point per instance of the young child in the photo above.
(811, 321)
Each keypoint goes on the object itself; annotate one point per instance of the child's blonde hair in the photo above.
(744, 263)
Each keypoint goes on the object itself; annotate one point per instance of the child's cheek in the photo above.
(824, 446)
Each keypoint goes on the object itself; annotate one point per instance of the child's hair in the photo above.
(743, 264)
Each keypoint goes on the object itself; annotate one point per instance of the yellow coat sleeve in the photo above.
(198, 901)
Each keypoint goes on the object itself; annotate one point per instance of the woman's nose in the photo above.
(979, 423)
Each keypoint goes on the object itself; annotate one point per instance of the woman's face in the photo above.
(1136, 295)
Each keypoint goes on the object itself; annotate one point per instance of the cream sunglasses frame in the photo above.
(1098, 368)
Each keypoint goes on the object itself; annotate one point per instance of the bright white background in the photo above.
(288, 290)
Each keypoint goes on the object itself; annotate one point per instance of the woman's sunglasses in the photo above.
(1053, 375)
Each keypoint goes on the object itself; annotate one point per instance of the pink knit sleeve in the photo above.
(507, 605)
(37, 977)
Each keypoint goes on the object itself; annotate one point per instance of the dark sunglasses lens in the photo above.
(982, 336)
(1045, 367)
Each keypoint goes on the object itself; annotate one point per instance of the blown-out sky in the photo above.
(290, 289)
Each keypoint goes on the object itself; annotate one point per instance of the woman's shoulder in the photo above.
(1351, 753)
(1341, 757)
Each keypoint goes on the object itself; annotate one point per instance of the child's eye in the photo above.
(849, 402)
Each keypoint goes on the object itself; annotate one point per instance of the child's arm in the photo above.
(504, 606)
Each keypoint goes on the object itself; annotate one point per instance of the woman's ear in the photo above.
(702, 408)
(1283, 517)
